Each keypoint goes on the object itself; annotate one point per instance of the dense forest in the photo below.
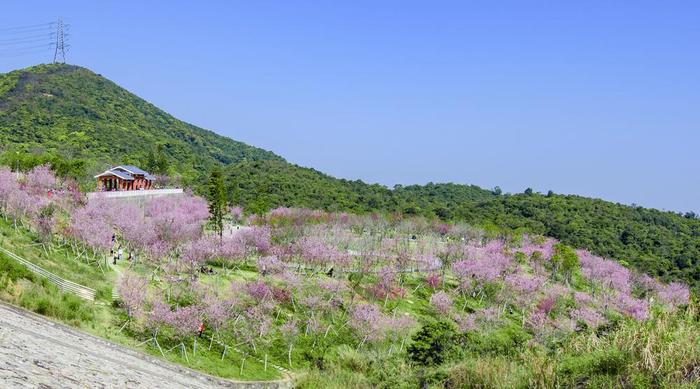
(79, 122)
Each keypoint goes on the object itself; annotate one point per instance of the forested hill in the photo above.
(73, 113)
(80, 121)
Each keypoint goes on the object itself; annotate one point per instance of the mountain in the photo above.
(80, 122)
(71, 112)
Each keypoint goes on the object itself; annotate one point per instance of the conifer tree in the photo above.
(217, 200)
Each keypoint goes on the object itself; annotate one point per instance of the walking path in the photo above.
(35, 352)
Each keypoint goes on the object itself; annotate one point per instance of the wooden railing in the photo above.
(67, 286)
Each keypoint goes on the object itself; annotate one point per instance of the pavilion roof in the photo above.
(118, 173)
(126, 172)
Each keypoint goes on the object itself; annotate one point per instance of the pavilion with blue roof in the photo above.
(124, 177)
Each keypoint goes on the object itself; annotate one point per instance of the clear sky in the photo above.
(598, 98)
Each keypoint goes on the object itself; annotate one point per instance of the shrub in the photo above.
(581, 368)
(13, 270)
(433, 344)
(487, 372)
(506, 340)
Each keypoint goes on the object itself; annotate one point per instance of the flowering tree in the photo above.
(8, 186)
(236, 213)
(40, 180)
(289, 331)
(442, 302)
(270, 265)
(92, 226)
(368, 321)
(132, 291)
(185, 322)
(674, 294)
(177, 219)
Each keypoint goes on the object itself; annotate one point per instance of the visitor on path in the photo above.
(130, 257)
(201, 329)
(120, 253)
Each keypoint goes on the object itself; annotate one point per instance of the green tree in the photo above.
(433, 344)
(217, 200)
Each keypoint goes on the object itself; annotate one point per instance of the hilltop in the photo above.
(75, 113)
(80, 122)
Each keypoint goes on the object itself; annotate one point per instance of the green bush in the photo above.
(46, 299)
(433, 344)
(506, 340)
(588, 366)
(13, 270)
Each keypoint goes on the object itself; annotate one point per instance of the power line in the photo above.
(48, 28)
(28, 37)
(35, 39)
(25, 42)
(20, 28)
(11, 49)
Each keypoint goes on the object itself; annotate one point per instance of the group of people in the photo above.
(119, 254)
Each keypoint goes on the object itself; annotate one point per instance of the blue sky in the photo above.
(596, 98)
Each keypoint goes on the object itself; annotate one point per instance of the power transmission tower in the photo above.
(60, 50)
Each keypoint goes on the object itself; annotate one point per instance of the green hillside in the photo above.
(73, 113)
(662, 243)
(81, 121)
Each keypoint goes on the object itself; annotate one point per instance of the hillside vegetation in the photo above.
(346, 301)
(657, 242)
(80, 122)
(71, 112)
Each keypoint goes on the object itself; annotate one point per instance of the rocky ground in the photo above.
(38, 353)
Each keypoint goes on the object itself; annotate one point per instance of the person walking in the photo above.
(120, 252)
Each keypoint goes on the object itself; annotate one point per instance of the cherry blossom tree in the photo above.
(368, 321)
(442, 302)
(132, 290)
(290, 331)
(40, 180)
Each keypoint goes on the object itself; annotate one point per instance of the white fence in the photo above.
(67, 286)
(121, 194)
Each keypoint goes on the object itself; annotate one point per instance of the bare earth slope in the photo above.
(35, 352)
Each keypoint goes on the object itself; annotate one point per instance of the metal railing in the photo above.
(67, 286)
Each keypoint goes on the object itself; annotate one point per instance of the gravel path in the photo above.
(38, 353)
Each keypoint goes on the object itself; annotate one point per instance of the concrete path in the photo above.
(38, 353)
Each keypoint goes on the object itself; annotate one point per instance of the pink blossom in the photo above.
(582, 298)
(432, 280)
(674, 294)
(132, 291)
(608, 273)
(524, 284)
(587, 315)
(185, 320)
(236, 213)
(270, 265)
(636, 308)
(40, 180)
(442, 302)
(466, 322)
(258, 290)
(159, 314)
(368, 321)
